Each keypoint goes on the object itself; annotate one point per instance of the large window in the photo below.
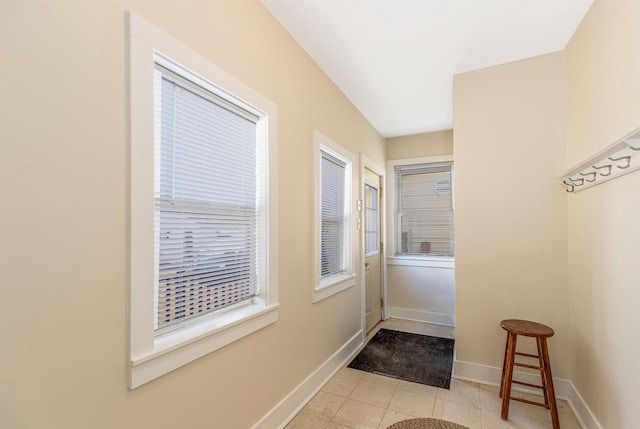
(333, 220)
(202, 223)
(424, 209)
(208, 224)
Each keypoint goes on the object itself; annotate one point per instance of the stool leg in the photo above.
(551, 391)
(506, 393)
(545, 393)
(504, 365)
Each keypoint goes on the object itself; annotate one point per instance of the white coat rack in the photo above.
(618, 159)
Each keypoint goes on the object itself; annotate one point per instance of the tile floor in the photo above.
(360, 400)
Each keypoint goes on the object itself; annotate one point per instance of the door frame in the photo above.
(367, 163)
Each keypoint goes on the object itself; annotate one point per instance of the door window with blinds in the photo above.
(371, 240)
(424, 209)
(208, 222)
(332, 218)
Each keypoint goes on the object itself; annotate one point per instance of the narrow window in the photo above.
(333, 216)
(332, 219)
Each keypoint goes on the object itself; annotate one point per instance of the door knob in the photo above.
(366, 264)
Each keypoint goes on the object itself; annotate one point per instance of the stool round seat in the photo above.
(540, 332)
(526, 328)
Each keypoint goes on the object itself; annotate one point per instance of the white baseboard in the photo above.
(286, 409)
(421, 316)
(564, 388)
(581, 409)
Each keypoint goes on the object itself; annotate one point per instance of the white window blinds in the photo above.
(424, 217)
(332, 213)
(207, 221)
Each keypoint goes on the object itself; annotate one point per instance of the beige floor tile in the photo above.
(437, 409)
(324, 405)
(491, 420)
(539, 424)
(333, 425)
(351, 373)
(411, 403)
(413, 326)
(489, 388)
(538, 413)
(379, 379)
(462, 392)
(392, 323)
(462, 414)
(492, 403)
(391, 417)
(439, 331)
(422, 389)
(307, 421)
(373, 393)
(359, 415)
(341, 385)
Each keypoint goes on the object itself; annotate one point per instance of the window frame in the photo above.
(393, 257)
(324, 288)
(151, 354)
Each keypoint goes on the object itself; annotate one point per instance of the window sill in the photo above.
(177, 348)
(422, 261)
(332, 286)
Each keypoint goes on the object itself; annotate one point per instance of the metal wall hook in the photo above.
(634, 148)
(628, 158)
(575, 182)
(604, 166)
(569, 184)
(593, 179)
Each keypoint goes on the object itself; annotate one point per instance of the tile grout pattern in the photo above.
(360, 400)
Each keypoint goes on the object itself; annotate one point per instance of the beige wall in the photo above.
(64, 252)
(417, 145)
(603, 95)
(511, 210)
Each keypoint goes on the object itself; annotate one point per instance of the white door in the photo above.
(372, 251)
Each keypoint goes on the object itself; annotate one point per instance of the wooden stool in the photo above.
(540, 332)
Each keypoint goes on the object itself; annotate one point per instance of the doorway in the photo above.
(372, 229)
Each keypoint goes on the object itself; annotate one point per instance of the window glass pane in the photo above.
(206, 210)
(424, 204)
(332, 213)
(371, 219)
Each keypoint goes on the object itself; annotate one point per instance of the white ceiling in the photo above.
(395, 59)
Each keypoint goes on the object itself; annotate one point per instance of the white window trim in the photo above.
(412, 260)
(152, 356)
(324, 288)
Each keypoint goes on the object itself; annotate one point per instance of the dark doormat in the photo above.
(411, 357)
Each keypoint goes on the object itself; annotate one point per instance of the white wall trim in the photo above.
(564, 388)
(291, 404)
(581, 410)
(421, 316)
